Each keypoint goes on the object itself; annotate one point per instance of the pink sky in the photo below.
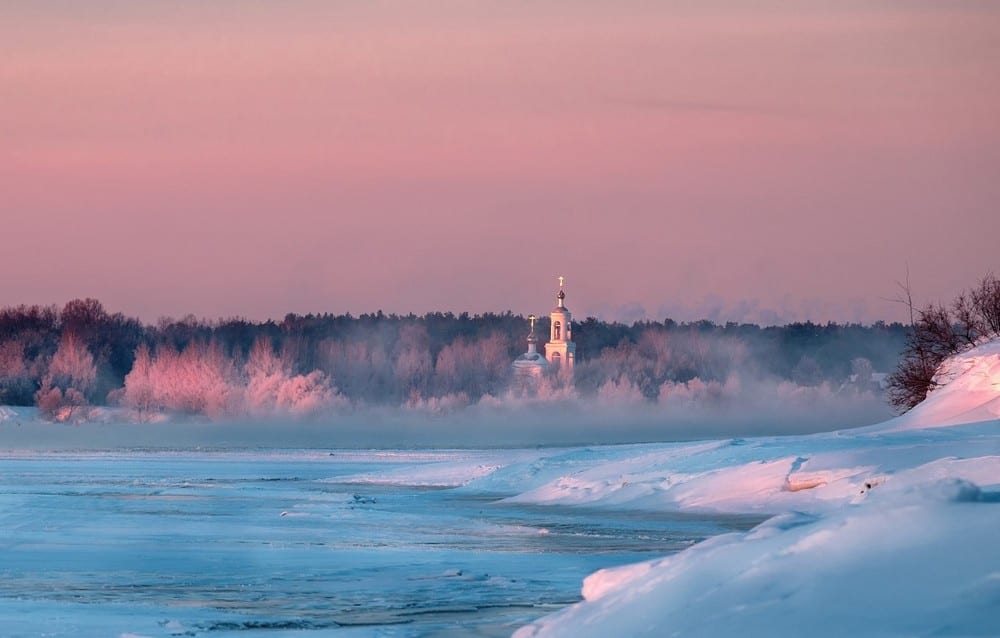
(685, 158)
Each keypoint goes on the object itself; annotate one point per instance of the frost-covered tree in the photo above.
(140, 392)
(71, 374)
(473, 368)
(201, 379)
(660, 356)
(273, 388)
(305, 394)
(265, 373)
(205, 381)
(58, 404)
(413, 367)
(72, 365)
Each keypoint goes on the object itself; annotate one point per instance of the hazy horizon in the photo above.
(626, 316)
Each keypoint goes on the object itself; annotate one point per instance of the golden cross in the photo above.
(561, 279)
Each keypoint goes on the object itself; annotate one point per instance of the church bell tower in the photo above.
(560, 350)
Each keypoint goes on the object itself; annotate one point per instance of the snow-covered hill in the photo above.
(889, 530)
(968, 391)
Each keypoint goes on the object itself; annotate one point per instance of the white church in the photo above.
(560, 351)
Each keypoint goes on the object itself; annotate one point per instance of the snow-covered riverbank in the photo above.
(889, 530)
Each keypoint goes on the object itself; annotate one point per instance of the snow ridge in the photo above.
(968, 391)
(888, 530)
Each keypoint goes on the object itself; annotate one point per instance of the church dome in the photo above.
(530, 360)
(529, 366)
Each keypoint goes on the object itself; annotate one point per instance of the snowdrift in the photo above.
(7, 414)
(889, 530)
(915, 566)
(968, 391)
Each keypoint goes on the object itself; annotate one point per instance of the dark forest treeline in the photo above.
(81, 354)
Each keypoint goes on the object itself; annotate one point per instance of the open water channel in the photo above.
(190, 543)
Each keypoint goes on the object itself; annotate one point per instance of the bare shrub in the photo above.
(986, 301)
(939, 332)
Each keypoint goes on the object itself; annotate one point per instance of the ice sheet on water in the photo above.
(443, 469)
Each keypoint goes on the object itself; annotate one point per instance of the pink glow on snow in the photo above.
(969, 392)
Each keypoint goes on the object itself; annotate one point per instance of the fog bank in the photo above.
(489, 423)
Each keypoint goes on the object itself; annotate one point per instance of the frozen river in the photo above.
(293, 544)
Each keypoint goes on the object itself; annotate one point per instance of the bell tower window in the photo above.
(556, 331)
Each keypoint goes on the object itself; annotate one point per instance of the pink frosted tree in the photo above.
(265, 373)
(71, 374)
(305, 394)
(201, 379)
(273, 388)
(140, 392)
(72, 365)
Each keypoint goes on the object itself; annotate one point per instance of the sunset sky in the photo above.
(761, 161)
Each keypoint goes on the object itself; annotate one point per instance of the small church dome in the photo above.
(530, 360)
(531, 363)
